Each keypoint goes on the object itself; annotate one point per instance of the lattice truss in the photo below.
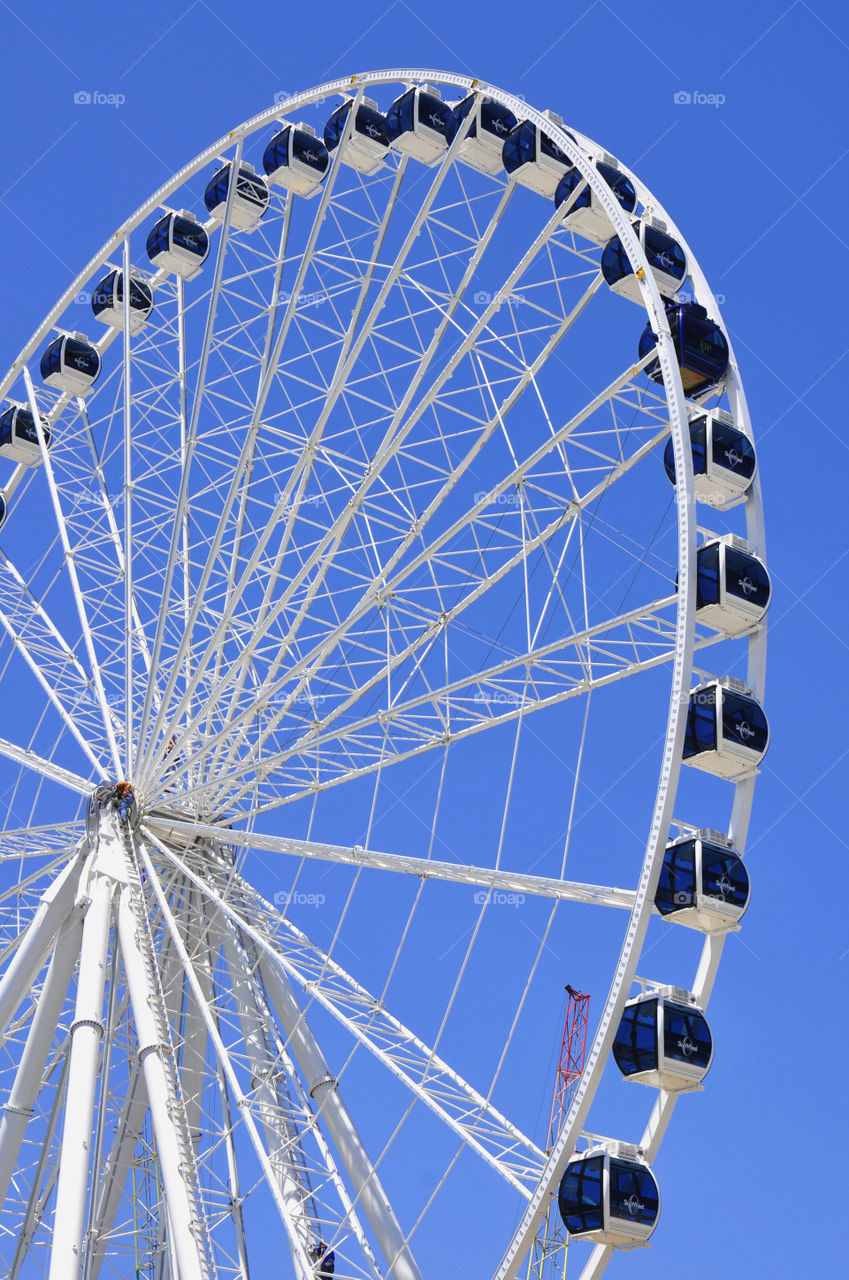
(352, 496)
(372, 464)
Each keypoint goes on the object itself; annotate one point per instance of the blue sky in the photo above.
(754, 168)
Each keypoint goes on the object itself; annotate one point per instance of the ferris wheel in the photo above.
(343, 593)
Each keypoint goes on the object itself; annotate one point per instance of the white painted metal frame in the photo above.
(223, 783)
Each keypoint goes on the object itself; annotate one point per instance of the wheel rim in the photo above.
(328, 600)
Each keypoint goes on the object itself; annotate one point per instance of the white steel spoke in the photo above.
(183, 497)
(422, 868)
(382, 590)
(291, 495)
(525, 680)
(378, 476)
(410, 1060)
(47, 655)
(100, 692)
(406, 417)
(248, 446)
(47, 768)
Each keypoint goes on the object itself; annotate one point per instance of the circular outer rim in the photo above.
(685, 622)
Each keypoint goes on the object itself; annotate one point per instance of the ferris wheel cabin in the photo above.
(18, 436)
(483, 144)
(586, 215)
(107, 301)
(724, 460)
(609, 1197)
(70, 364)
(703, 883)
(417, 124)
(250, 197)
(700, 346)
(664, 1041)
(367, 144)
(732, 586)
(178, 243)
(667, 262)
(727, 731)
(531, 158)
(296, 159)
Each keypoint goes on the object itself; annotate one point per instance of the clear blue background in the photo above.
(758, 182)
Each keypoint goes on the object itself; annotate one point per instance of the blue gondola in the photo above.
(732, 586)
(18, 436)
(178, 243)
(530, 156)
(664, 1041)
(724, 460)
(727, 731)
(667, 262)
(107, 301)
(3, 509)
(609, 1197)
(250, 198)
(484, 141)
(586, 215)
(700, 346)
(296, 159)
(703, 883)
(417, 124)
(70, 363)
(367, 143)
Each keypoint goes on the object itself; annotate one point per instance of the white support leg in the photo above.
(41, 1187)
(193, 1054)
(324, 1091)
(19, 1109)
(197, 935)
(267, 1101)
(142, 998)
(202, 990)
(86, 1033)
(116, 1171)
(55, 905)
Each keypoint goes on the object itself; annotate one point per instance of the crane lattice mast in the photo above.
(547, 1259)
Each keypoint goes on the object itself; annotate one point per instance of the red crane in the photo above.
(548, 1255)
